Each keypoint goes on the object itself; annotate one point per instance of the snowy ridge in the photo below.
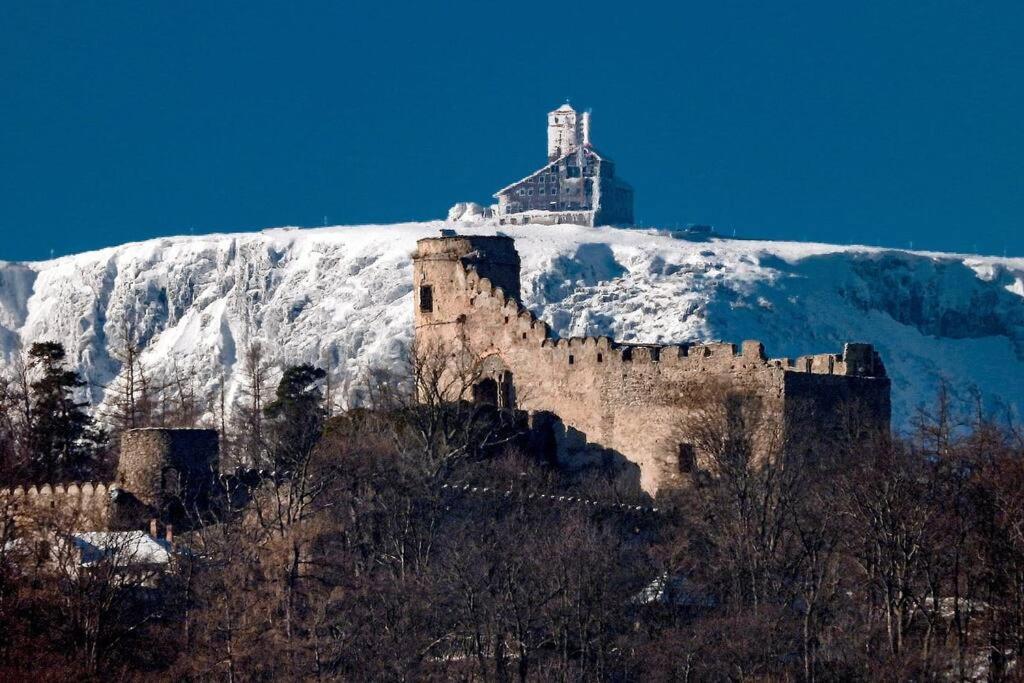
(341, 297)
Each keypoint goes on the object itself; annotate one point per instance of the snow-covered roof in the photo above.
(124, 548)
(565, 107)
(587, 149)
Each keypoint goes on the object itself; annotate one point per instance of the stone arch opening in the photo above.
(495, 386)
(486, 392)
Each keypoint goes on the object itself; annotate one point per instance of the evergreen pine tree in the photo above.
(63, 440)
(297, 412)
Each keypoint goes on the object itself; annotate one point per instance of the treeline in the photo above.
(869, 558)
(49, 434)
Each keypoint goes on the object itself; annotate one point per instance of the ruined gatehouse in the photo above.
(629, 400)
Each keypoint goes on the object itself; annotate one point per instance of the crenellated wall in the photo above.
(86, 503)
(162, 473)
(630, 400)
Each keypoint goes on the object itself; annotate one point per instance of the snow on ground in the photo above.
(341, 297)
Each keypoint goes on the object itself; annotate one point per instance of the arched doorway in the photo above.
(486, 392)
(495, 386)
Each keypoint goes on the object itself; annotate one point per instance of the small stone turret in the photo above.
(164, 474)
(168, 472)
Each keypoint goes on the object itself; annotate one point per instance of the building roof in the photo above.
(586, 149)
(123, 548)
(565, 107)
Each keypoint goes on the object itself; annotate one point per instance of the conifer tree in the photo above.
(298, 415)
(64, 441)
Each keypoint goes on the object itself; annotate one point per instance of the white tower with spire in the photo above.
(565, 131)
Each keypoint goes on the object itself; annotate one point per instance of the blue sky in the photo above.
(884, 123)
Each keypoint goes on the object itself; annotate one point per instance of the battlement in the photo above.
(856, 359)
(75, 490)
(89, 500)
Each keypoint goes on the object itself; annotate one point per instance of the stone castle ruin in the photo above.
(163, 474)
(577, 185)
(630, 401)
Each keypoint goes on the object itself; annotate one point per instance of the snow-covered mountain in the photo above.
(341, 297)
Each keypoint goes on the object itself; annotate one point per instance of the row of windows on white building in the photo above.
(529, 191)
(514, 207)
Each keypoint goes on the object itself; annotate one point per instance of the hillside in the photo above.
(341, 297)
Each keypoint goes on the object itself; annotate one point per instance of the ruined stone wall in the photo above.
(156, 466)
(627, 402)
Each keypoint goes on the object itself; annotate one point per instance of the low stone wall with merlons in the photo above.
(87, 504)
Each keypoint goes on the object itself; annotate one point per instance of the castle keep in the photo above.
(578, 184)
(625, 400)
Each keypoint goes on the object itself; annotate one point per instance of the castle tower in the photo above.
(450, 276)
(440, 262)
(565, 132)
(169, 472)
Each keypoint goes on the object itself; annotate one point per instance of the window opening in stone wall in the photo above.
(572, 359)
(600, 358)
(524, 335)
(426, 298)
(687, 458)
